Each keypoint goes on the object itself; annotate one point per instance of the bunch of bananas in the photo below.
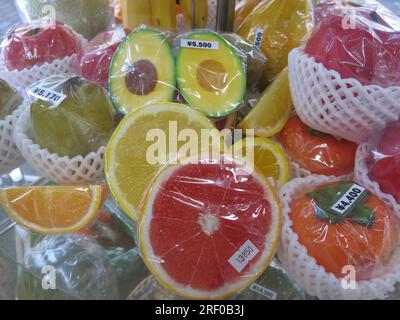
(162, 13)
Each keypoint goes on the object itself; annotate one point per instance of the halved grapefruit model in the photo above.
(208, 230)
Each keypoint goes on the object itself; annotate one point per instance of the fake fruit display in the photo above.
(83, 270)
(272, 110)
(267, 156)
(88, 17)
(369, 51)
(242, 10)
(201, 235)
(385, 166)
(211, 81)
(142, 71)
(80, 124)
(200, 8)
(95, 58)
(317, 152)
(10, 100)
(31, 44)
(53, 209)
(280, 25)
(364, 238)
(141, 145)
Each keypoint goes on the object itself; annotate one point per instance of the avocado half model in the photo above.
(211, 80)
(142, 71)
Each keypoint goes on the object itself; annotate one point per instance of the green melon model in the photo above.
(142, 71)
(211, 80)
(10, 100)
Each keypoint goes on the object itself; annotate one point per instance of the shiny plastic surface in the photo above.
(384, 164)
(81, 121)
(361, 240)
(36, 42)
(315, 151)
(95, 58)
(360, 43)
(88, 17)
(208, 230)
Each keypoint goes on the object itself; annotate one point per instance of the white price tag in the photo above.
(199, 44)
(243, 256)
(259, 38)
(346, 203)
(263, 291)
(48, 95)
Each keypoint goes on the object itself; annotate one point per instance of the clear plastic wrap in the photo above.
(142, 70)
(317, 152)
(339, 241)
(88, 17)
(209, 228)
(277, 27)
(210, 72)
(256, 60)
(35, 43)
(384, 162)
(95, 58)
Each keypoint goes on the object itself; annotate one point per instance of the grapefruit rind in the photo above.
(154, 264)
(97, 199)
(110, 156)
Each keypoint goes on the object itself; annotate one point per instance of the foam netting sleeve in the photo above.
(63, 170)
(362, 177)
(312, 277)
(10, 157)
(341, 107)
(21, 80)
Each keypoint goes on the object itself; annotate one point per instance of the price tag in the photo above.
(243, 256)
(48, 95)
(263, 291)
(199, 44)
(259, 38)
(347, 202)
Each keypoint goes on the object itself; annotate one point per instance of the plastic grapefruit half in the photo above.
(198, 219)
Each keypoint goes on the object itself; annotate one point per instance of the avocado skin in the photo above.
(81, 124)
(9, 100)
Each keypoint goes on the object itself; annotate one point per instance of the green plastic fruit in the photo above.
(10, 100)
(80, 124)
(142, 71)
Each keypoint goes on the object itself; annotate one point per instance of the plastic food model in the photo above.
(95, 58)
(9, 100)
(367, 49)
(385, 160)
(81, 123)
(315, 151)
(142, 71)
(340, 224)
(30, 44)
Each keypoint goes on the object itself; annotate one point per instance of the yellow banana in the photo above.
(201, 12)
(136, 12)
(163, 13)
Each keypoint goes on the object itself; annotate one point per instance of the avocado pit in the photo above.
(141, 78)
(212, 76)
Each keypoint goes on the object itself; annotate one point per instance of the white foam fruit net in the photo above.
(10, 157)
(341, 107)
(361, 176)
(313, 277)
(64, 170)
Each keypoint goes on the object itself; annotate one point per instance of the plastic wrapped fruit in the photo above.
(34, 43)
(88, 17)
(83, 270)
(95, 57)
(385, 166)
(81, 123)
(364, 45)
(277, 27)
(10, 100)
(315, 151)
(363, 235)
